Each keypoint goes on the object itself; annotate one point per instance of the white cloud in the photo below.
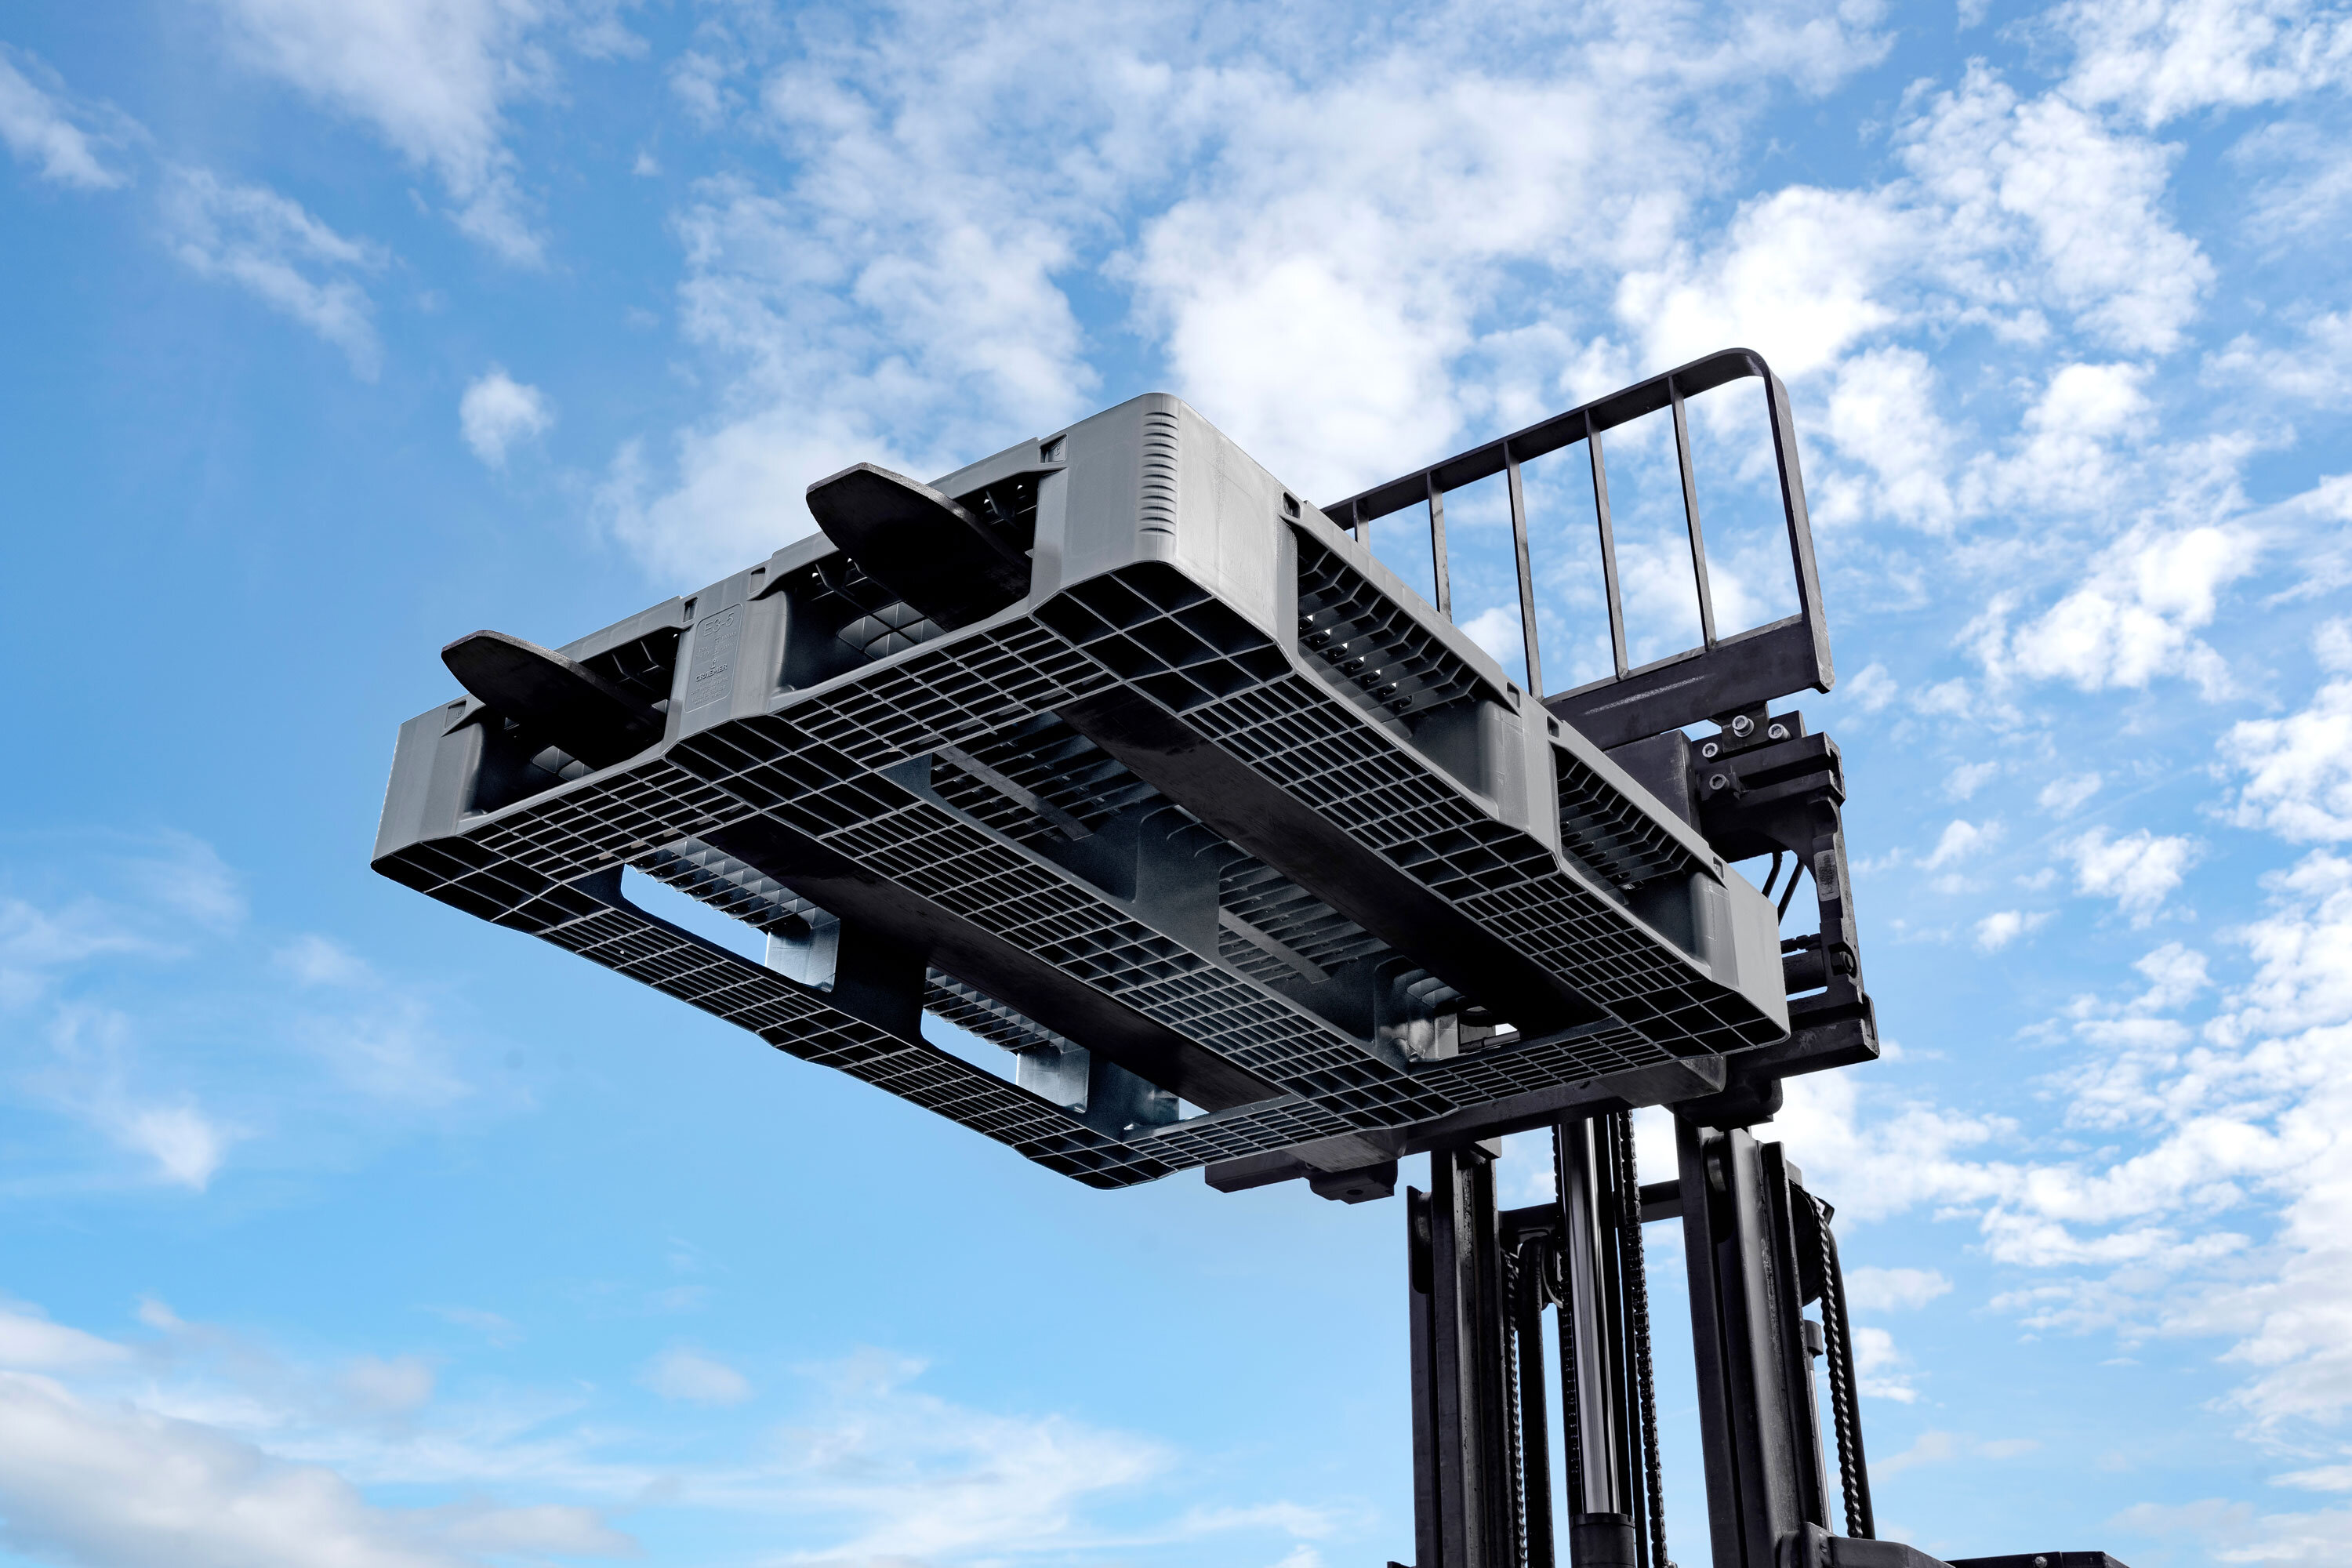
(2135, 618)
(2332, 644)
(396, 1386)
(1496, 629)
(30, 1343)
(108, 1485)
(689, 1374)
(1314, 281)
(1930, 1447)
(1872, 1289)
(1888, 1162)
(1875, 1365)
(2161, 61)
(276, 251)
(1799, 276)
(1961, 840)
(202, 1447)
(2316, 369)
(497, 411)
(1882, 414)
(37, 942)
(1965, 780)
(2137, 870)
(1936, 1448)
(1998, 929)
(1870, 689)
(923, 1479)
(2244, 1118)
(185, 875)
(316, 959)
(433, 79)
(41, 130)
(2237, 1533)
(2296, 771)
(2064, 796)
(2043, 175)
(186, 1145)
(211, 1037)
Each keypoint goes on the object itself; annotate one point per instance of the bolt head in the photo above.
(1717, 781)
(1778, 733)
(1742, 724)
(1709, 749)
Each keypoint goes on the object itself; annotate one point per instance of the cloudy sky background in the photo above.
(338, 1227)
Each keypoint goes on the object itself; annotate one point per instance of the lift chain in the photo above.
(1845, 1413)
(1637, 1322)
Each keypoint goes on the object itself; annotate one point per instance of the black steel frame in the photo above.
(1758, 1250)
(1757, 1246)
(1722, 675)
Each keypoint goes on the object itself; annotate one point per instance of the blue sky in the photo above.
(337, 1227)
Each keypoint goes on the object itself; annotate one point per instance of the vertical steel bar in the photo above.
(1526, 577)
(1608, 548)
(1801, 531)
(1535, 1468)
(1420, 1300)
(1719, 1425)
(1441, 575)
(1690, 516)
(1454, 1382)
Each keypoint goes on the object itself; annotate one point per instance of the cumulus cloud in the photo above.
(268, 245)
(1800, 274)
(2314, 367)
(2243, 1117)
(46, 130)
(2045, 176)
(497, 411)
(1961, 841)
(2135, 618)
(1883, 415)
(1877, 1365)
(1869, 1288)
(689, 1374)
(2138, 871)
(2296, 773)
(1316, 282)
(1998, 929)
(1496, 629)
(2161, 61)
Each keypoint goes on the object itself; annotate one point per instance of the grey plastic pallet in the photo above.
(1216, 818)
